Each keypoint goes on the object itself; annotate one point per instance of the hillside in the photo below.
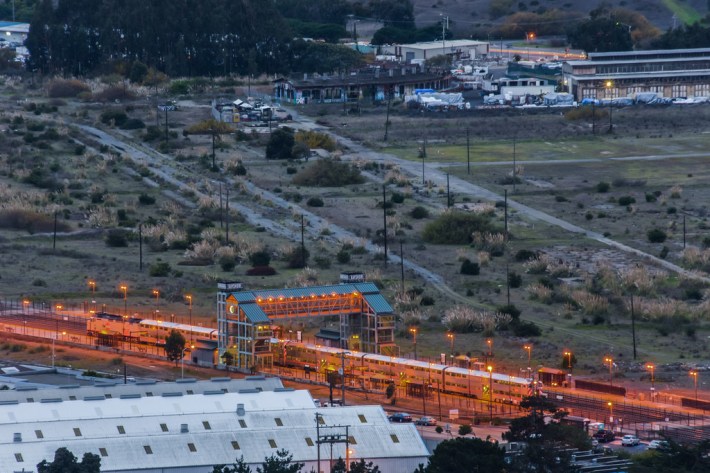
(470, 14)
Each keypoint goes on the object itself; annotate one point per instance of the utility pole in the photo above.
(342, 369)
(303, 244)
(54, 236)
(448, 192)
(633, 324)
(506, 213)
(387, 120)
(384, 216)
(221, 207)
(226, 204)
(515, 170)
(468, 153)
(140, 246)
(401, 265)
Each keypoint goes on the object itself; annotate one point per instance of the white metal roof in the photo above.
(119, 430)
(454, 43)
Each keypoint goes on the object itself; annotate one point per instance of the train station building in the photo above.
(245, 319)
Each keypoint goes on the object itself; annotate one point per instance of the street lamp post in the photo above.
(490, 392)
(611, 411)
(156, 293)
(694, 374)
(568, 354)
(609, 84)
(124, 288)
(189, 301)
(182, 360)
(489, 342)
(652, 367)
(451, 338)
(529, 350)
(610, 360)
(413, 331)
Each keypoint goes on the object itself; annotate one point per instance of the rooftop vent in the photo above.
(184, 429)
(240, 410)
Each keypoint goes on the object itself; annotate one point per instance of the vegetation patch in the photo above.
(328, 173)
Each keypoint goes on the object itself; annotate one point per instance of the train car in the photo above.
(105, 325)
(419, 378)
(154, 332)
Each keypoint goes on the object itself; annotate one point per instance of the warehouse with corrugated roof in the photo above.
(182, 433)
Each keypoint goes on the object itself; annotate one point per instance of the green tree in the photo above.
(601, 32)
(280, 145)
(363, 467)
(280, 462)
(239, 467)
(465, 455)
(66, 462)
(174, 346)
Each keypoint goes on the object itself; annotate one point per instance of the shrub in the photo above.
(589, 215)
(115, 116)
(328, 173)
(133, 124)
(626, 200)
(465, 429)
(298, 258)
(525, 255)
(29, 221)
(671, 210)
(664, 252)
(426, 301)
(343, 256)
(560, 198)
(240, 169)
(316, 139)
(280, 145)
(603, 187)
(323, 262)
(419, 212)
(515, 280)
(114, 94)
(397, 198)
(260, 258)
(523, 328)
(66, 88)
(457, 228)
(656, 235)
(470, 268)
(227, 262)
(651, 198)
(314, 202)
(291, 170)
(116, 238)
(509, 309)
(145, 199)
(159, 269)
(261, 271)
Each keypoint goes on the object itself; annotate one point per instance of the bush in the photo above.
(240, 169)
(457, 228)
(133, 124)
(515, 280)
(525, 255)
(261, 271)
(419, 212)
(280, 145)
(470, 268)
(439, 429)
(651, 198)
(656, 235)
(465, 429)
(427, 301)
(115, 116)
(509, 309)
(626, 200)
(323, 262)
(159, 269)
(114, 94)
(29, 221)
(66, 88)
(343, 257)
(145, 199)
(291, 170)
(316, 139)
(227, 262)
(397, 198)
(314, 202)
(116, 238)
(298, 258)
(328, 173)
(603, 187)
(260, 258)
(524, 328)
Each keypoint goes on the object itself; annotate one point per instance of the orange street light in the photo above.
(610, 360)
(490, 391)
(451, 338)
(124, 288)
(189, 301)
(413, 331)
(568, 354)
(529, 349)
(652, 367)
(694, 374)
(92, 285)
(489, 342)
(611, 411)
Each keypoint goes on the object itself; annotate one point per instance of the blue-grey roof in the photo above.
(254, 313)
(306, 291)
(378, 303)
(242, 297)
(367, 287)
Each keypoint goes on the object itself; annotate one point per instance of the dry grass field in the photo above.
(102, 193)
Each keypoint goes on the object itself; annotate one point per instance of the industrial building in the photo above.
(670, 73)
(189, 433)
(457, 49)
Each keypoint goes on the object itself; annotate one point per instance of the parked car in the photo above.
(604, 435)
(629, 440)
(659, 445)
(400, 417)
(426, 420)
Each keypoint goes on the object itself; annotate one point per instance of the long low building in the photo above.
(669, 73)
(191, 433)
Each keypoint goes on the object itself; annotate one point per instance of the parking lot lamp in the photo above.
(124, 288)
(413, 331)
(608, 85)
(694, 374)
(652, 367)
(610, 360)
